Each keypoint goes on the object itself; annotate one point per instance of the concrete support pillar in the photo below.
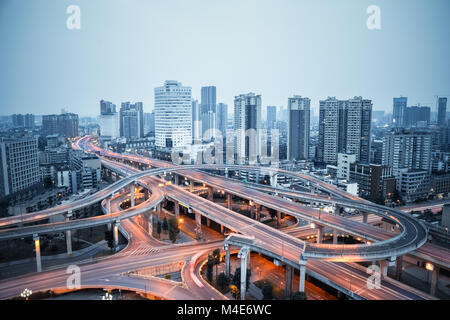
(229, 201)
(208, 222)
(302, 264)
(150, 223)
(337, 210)
(273, 180)
(177, 209)
(227, 260)
(69, 236)
(191, 186)
(434, 280)
(319, 234)
(398, 268)
(38, 252)
(258, 212)
(226, 173)
(158, 210)
(210, 194)
(243, 255)
(335, 238)
(365, 217)
(108, 205)
(289, 278)
(278, 218)
(116, 234)
(132, 194)
(221, 229)
(383, 268)
(198, 225)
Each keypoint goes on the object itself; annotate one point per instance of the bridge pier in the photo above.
(398, 268)
(335, 238)
(244, 256)
(132, 194)
(210, 194)
(319, 234)
(158, 210)
(191, 186)
(273, 180)
(365, 217)
(227, 260)
(229, 201)
(383, 268)
(434, 280)
(69, 236)
(116, 234)
(257, 212)
(198, 225)
(38, 252)
(177, 209)
(176, 179)
(278, 218)
(302, 264)
(289, 278)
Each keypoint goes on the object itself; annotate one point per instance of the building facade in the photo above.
(298, 127)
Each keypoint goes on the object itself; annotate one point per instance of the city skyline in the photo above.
(344, 59)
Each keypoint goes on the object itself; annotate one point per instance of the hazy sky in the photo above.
(277, 48)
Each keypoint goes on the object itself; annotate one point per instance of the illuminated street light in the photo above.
(312, 225)
(26, 293)
(107, 296)
(429, 266)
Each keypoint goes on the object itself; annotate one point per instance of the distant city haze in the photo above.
(277, 49)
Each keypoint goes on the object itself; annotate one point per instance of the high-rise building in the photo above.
(107, 107)
(196, 122)
(271, 116)
(344, 126)
(64, 124)
(247, 124)
(149, 123)
(29, 120)
(208, 112)
(173, 115)
(416, 115)
(19, 165)
(222, 118)
(131, 120)
(399, 110)
(408, 153)
(298, 127)
(442, 111)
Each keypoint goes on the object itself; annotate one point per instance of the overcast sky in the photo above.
(276, 48)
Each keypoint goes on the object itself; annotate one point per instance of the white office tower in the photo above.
(173, 115)
(247, 125)
(196, 122)
(109, 125)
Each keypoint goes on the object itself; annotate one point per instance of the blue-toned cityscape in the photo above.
(199, 194)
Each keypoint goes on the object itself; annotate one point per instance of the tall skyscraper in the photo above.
(415, 115)
(247, 124)
(222, 118)
(196, 122)
(407, 149)
(344, 127)
(399, 110)
(131, 120)
(442, 111)
(19, 165)
(271, 116)
(298, 127)
(149, 123)
(64, 124)
(173, 115)
(109, 120)
(208, 111)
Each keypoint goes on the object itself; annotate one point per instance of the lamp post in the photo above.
(26, 293)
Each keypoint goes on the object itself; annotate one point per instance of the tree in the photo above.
(209, 268)
(222, 280)
(267, 291)
(158, 227)
(237, 277)
(216, 258)
(299, 296)
(174, 230)
(165, 225)
(235, 292)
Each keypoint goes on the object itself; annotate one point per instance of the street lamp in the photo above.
(107, 296)
(26, 293)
